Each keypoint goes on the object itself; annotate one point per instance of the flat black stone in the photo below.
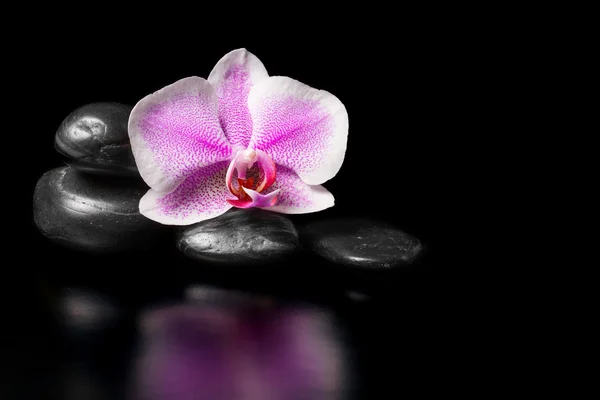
(92, 213)
(361, 243)
(94, 139)
(251, 236)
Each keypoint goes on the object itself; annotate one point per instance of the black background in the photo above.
(401, 83)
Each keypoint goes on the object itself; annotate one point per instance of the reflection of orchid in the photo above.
(208, 351)
(240, 138)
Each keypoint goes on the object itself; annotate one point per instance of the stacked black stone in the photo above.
(92, 204)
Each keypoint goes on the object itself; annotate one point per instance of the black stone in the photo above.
(92, 213)
(251, 236)
(361, 243)
(94, 139)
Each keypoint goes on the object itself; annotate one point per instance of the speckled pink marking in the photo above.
(233, 77)
(203, 193)
(296, 197)
(183, 134)
(299, 127)
(294, 132)
(234, 116)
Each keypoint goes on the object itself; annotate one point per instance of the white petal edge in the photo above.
(238, 57)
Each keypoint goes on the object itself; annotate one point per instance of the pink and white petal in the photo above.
(295, 196)
(175, 131)
(302, 128)
(201, 196)
(233, 77)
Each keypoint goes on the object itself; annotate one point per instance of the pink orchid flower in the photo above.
(241, 139)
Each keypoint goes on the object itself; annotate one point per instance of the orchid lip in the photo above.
(257, 199)
(255, 172)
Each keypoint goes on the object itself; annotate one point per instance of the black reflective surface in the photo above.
(106, 340)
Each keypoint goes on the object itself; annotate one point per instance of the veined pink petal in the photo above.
(201, 196)
(296, 197)
(301, 128)
(233, 77)
(175, 131)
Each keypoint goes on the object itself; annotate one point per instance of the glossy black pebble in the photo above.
(92, 213)
(361, 243)
(94, 139)
(250, 236)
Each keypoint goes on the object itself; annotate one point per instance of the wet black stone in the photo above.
(361, 243)
(92, 213)
(94, 139)
(238, 237)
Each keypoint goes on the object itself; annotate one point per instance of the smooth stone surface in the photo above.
(92, 213)
(361, 243)
(250, 236)
(94, 139)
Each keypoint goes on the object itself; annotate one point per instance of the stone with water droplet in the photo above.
(94, 139)
(240, 236)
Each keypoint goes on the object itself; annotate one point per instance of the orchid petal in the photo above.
(296, 197)
(233, 77)
(175, 131)
(301, 128)
(201, 196)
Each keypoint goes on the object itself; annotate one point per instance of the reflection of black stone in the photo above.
(240, 237)
(361, 243)
(92, 213)
(83, 312)
(97, 331)
(215, 296)
(94, 138)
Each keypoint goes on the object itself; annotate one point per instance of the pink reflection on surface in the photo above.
(250, 351)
